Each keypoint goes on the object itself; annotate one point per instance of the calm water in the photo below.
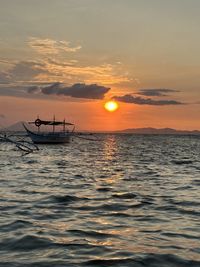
(126, 200)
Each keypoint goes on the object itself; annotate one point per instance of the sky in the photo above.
(68, 57)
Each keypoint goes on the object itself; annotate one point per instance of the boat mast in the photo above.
(54, 123)
(64, 125)
(38, 126)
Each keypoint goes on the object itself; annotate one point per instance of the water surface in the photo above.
(126, 200)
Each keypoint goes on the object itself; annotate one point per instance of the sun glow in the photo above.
(111, 106)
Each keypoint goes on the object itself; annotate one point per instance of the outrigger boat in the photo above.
(53, 137)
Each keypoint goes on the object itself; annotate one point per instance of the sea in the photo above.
(104, 200)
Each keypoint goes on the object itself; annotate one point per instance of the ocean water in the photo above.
(125, 200)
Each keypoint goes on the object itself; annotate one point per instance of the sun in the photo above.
(111, 106)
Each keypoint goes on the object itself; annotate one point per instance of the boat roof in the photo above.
(39, 122)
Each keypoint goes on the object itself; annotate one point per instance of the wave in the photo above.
(125, 195)
(151, 260)
(18, 224)
(179, 210)
(181, 235)
(148, 260)
(104, 189)
(65, 199)
(28, 242)
(92, 234)
(110, 203)
(33, 242)
(182, 162)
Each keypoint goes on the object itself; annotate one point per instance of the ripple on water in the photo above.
(125, 201)
(15, 225)
(152, 260)
(104, 189)
(92, 234)
(125, 195)
(25, 243)
(66, 199)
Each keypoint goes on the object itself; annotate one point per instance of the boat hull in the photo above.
(49, 138)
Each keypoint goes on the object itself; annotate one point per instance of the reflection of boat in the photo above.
(53, 137)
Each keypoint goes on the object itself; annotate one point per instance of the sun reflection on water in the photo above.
(110, 148)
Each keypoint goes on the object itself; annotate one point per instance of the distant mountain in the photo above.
(158, 131)
(17, 127)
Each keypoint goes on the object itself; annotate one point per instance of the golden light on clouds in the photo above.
(50, 46)
(105, 74)
(54, 65)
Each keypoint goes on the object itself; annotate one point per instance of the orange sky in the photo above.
(93, 117)
(68, 57)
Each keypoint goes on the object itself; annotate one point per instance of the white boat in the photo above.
(53, 137)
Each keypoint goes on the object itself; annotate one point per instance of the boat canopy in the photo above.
(39, 122)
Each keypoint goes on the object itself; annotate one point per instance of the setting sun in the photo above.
(111, 106)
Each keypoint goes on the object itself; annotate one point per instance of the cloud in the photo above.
(33, 89)
(145, 101)
(69, 71)
(54, 66)
(4, 77)
(78, 90)
(50, 46)
(26, 70)
(156, 92)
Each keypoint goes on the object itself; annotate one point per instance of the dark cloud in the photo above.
(33, 89)
(145, 101)
(53, 89)
(156, 92)
(26, 70)
(78, 90)
(2, 116)
(4, 78)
